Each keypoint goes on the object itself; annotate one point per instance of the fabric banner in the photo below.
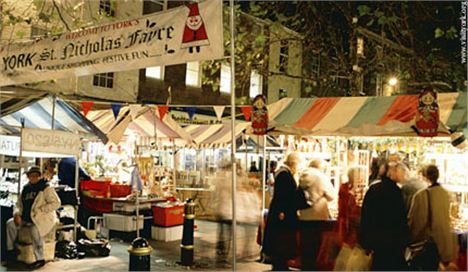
(50, 141)
(9, 145)
(134, 109)
(191, 112)
(193, 32)
(219, 111)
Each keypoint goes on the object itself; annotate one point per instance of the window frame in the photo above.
(190, 70)
(104, 80)
(283, 56)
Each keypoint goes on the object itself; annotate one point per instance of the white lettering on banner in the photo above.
(9, 145)
(50, 141)
(193, 32)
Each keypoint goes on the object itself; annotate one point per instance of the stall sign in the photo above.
(427, 114)
(50, 141)
(259, 115)
(9, 145)
(192, 32)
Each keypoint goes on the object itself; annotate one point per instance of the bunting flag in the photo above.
(116, 109)
(86, 105)
(246, 110)
(162, 111)
(191, 112)
(219, 111)
(134, 111)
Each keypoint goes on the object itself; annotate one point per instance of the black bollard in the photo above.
(140, 255)
(186, 248)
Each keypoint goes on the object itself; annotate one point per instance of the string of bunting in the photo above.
(162, 109)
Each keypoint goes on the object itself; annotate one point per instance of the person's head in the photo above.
(355, 175)
(51, 166)
(273, 165)
(34, 174)
(398, 172)
(292, 160)
(431, 172)
(317, 163)
(374, 169)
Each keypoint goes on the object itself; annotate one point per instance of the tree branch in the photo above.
(60, 15)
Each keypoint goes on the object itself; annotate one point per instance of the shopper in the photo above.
(349, 213)
(413, 184)
(436, 224)
(34, 210)
(312, 220)
(384, 229)
(280, 231)
(67, 170)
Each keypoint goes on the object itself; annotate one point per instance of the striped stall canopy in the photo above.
(361, 116)
(145, 124)
(218, 135)
(38, 114)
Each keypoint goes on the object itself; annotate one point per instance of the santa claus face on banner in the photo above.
(194, 22)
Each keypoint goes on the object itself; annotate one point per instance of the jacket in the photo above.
(440, 211)
(384, 225)
(280, 235)
(320, 191)
(349, 216)
(43, 210)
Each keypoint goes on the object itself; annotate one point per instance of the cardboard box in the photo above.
(120, 222)
(166, 234)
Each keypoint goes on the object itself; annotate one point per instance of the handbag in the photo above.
(424, 255)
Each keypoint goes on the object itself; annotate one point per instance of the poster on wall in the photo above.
(192, 32)
(36, 141)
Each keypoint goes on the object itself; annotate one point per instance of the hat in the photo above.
(193, 10)
(34, 169)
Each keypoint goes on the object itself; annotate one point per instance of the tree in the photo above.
(416, 41)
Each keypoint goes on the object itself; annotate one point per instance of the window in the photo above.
(105, 80)
(225, 79)
(151, 6)
(255, 83)
(155, 72)
(37, 32)
(282, 93)
(284, 56)
(192, 76)
(106, 7)
(315, 64)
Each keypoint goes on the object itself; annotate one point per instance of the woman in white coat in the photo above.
(437, 224)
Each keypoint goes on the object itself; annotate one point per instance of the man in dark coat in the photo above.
(280, 230)
(384, 227)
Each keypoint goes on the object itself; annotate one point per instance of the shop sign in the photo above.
(50, 141)
(9, 145)
(193, 32)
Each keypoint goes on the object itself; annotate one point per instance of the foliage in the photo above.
(417, 41)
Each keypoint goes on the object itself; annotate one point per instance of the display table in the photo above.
(100, 204)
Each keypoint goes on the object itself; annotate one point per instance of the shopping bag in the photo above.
(342, 258)
(423, 256)
(359, 260)
(329, 249)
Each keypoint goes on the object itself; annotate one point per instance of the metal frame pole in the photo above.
(53, 112)
(233, 138)
(264, 172)
(77, 169)
(20, 164)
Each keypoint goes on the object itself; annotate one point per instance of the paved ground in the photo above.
(166, 254)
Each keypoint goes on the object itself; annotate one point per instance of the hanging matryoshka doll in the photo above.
(259, 115)
(427, 114)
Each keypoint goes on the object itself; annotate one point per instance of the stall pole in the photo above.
(77, 167)
(174, 171)
(264, 172)
(53, 112)
(233, 138)
(20, 163)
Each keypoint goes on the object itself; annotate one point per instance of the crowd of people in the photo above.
(400, 210)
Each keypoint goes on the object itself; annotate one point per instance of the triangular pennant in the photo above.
(246, 110)
(162, 111)
(219, 111)
(134, 111)
(86, 105)
(191, 111)
(116, 109)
